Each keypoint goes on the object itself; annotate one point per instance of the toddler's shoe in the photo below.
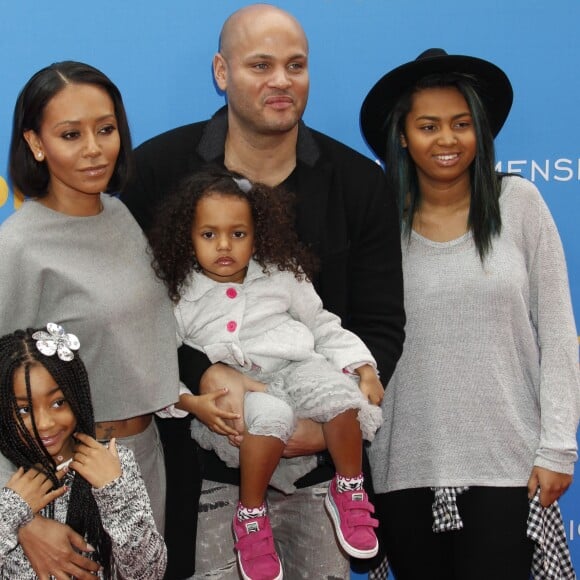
(350, 512)
(255, 548)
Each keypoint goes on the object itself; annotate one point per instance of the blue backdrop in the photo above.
(159, 54)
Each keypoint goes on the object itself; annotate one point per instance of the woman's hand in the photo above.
(551, 483)
(35, 488)
(54, 549)
(370, 384)
(98, 464)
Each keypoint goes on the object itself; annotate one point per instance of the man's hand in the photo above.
(552, 485)
(307, 439)
(52, 550)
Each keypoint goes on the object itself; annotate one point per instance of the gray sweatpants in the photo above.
(303, 534)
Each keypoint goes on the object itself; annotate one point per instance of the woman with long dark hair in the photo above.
(482, 410)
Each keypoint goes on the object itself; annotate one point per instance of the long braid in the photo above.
(18, 351)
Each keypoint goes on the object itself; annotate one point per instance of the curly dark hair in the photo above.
(276, 241)
(24, 449)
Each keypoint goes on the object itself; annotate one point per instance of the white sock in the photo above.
(245, 513)
(349, 483)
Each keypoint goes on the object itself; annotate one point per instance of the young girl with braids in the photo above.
(232, 262)
(47, 429)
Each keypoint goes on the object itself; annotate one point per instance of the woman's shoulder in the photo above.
(520, 198)
(18, 229)
(113, 205)
(27, 210)
(518, 189)
(117, 215)
(523, 206)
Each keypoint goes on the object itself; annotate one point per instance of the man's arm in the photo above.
(376, 308)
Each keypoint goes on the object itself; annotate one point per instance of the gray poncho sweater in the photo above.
(487, 386)
(93, 276)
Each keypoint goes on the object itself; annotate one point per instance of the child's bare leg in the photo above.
(344, 442)
(259, 457)
(256, 553)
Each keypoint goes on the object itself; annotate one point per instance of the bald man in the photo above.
(344, 212)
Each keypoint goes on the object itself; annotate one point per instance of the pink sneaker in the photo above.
(257, 555)
(350, 512)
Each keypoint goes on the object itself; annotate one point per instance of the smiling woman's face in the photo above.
(440, 136)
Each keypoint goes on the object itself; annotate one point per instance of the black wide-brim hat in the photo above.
(493, 88)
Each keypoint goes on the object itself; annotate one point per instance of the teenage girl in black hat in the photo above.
(481, 413)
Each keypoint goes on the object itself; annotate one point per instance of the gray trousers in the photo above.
(149, 456)
(302, 531)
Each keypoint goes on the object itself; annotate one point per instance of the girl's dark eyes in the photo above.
(23, 410)
(239, 234)
(207, 235)
(427, 128)
(59, 403)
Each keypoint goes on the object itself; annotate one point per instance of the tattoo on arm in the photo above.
(107, 432)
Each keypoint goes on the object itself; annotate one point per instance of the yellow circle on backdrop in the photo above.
(3, 191)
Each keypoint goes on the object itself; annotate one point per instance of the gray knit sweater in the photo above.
(138, 550)
(488, 383)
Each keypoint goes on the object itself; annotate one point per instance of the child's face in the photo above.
(54, 418)
(223, 237)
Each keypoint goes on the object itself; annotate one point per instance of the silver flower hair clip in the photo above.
(244, 184)
(56, 340)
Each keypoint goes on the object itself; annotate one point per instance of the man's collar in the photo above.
(213, 141)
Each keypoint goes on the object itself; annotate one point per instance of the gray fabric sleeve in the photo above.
(14, 512)
(139, 551)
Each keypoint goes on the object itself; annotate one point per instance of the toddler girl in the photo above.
(232, 262)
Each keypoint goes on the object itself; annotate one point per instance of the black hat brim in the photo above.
(494, 89)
